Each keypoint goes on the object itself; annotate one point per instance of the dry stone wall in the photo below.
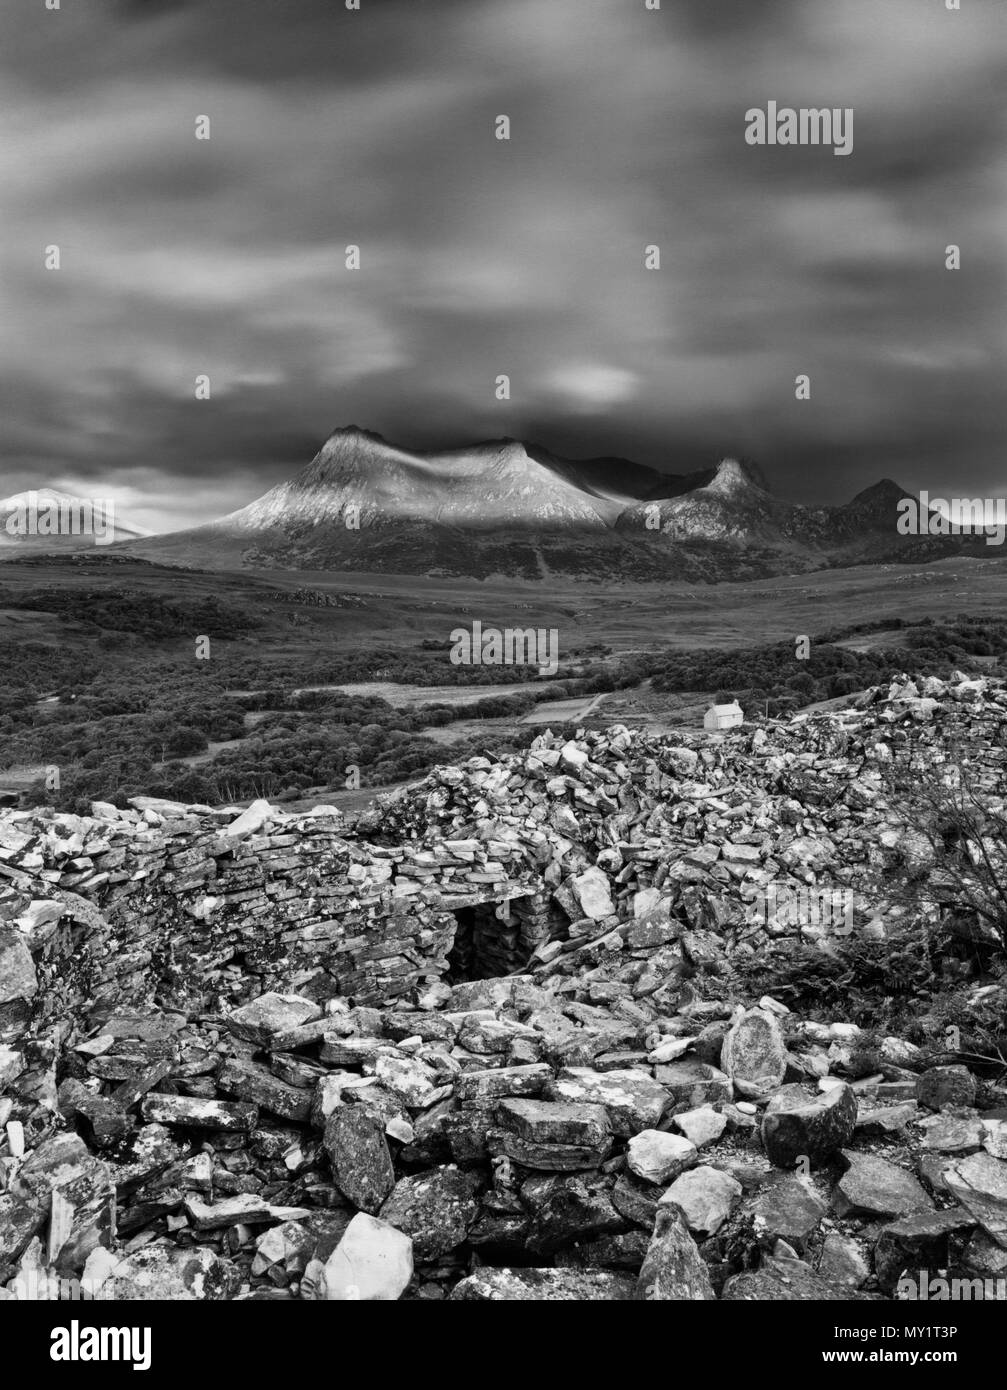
(533, 859)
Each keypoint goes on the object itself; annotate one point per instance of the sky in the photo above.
(480, 257)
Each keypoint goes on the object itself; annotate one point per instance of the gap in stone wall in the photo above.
(497, 938)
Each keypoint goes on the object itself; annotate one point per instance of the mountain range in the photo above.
(505, 507)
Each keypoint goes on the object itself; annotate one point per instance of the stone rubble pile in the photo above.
(455, 1052)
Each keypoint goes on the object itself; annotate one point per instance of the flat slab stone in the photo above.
(872, 1186)
(193, 1112)
(786, 1281)
(554, 1122)
(658, 1157)
(787, 1208)
(272, 1013)
(979, 1182)
(633, 1100)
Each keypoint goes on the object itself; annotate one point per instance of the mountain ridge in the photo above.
(511, 507)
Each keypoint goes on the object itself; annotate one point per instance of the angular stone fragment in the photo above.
(633, 1100)
(410, 1078)
(372, 1263)
(798, 1124)
(785, 1281)
(193, 1112)
(673, 1270)
(702, 1126)
(872, 1186)
(917, 1242)
(788, 1209)
(262, 1019)
(980, 1184)
(754, 1054)
(17, 969)
(359, 1156)
(592, 891)
(499, 1082)
(886, 1120)
(245, 1208)
(942, 1087)
(658, 1157)
(695, 1083)
(157, 1273)
(250, 1082)
(948, 1133)
(552, 1122)
(435, 1208)
(706, 1196)
(842, 1261)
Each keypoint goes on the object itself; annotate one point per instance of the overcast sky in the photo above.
(480, 257)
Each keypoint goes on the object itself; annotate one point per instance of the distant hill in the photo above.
(504, 507)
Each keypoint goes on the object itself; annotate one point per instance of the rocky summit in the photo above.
(493, 1041)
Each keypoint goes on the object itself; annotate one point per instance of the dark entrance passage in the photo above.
(499, 938)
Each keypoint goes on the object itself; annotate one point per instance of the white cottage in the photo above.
(723, 716)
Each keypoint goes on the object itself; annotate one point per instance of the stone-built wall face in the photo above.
(113, 912)
(595, 844)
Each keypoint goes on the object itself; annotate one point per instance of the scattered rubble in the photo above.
(458, 1052)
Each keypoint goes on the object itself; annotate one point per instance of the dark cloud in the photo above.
(332, 127)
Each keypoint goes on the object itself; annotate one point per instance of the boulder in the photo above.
(373, 1263)
(673, 1270)
(706, 1196)
(435, 1208)
(800, 1124)
(871, 1186)
(658, 1157)
(940, 1088)
(754, 1054)
(359, 1156)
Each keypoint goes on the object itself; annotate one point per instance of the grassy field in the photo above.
(382, 609)
(272, 628)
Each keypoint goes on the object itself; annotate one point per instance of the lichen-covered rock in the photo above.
(940, 1088)
(358, 1153)
(435, 1208)
(754, 1054)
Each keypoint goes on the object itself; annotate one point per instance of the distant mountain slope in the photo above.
(510, 508)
